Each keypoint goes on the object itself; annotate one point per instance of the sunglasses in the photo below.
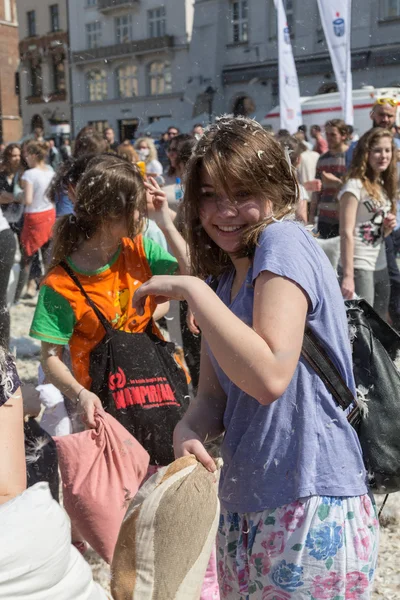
(382, 101)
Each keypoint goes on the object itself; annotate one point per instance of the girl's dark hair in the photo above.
(38, 149)
(184, 150)
(110, 188)
(178, 141)
(238, 155)
(5, 165)
(89, 142)
(360, 168)
(67, 174)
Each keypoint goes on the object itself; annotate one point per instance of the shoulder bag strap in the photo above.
(317, 357)
(95, 308)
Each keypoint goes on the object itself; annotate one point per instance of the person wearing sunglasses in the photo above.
(383, 114)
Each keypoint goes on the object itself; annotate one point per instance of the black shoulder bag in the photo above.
(376, 418)
(139, 382)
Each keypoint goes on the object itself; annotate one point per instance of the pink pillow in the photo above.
(101, 470)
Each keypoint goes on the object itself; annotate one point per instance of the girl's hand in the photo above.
(88, 405)
(186, 442)
(163, 288)
(191, 323)
(348, 288)
(389, 223)
(157, 204)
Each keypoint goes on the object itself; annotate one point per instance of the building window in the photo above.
(390, 9)
(124, 29)
(99, 126)
(96, 81)
(91, 2)
(160, 80)
(93, 34)
(157, 22)
(7, 10)
(54, 18)
(240, 20)
(31, 19)
(35, 79)
(288, 5)
(127, 82)
(58, 68)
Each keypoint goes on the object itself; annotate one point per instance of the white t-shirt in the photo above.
(154, 166)
(307, 166)
(369, 245)
(3, 222)
(40, 180)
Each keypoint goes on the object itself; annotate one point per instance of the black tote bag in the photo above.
(376, 416)
(139, 382)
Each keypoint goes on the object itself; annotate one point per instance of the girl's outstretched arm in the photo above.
(203, 420)
(260, 360)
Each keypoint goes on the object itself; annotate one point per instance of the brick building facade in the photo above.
(10, 121)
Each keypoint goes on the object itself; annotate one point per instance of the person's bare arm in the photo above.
(28, 192)
(313, 206)
(12, 448)
(6, 198)
(162, 216)
(58, 374)
(203, 421)
(301, 211)
(161, 311)
(347, 220)
(260, 360)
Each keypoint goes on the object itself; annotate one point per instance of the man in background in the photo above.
(109, 135)
(383, 114)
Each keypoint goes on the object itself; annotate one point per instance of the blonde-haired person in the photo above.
(295, 508)
(147, 152)
(39, 212)
(367, 216)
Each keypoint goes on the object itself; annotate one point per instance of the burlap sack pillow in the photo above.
(167, 535)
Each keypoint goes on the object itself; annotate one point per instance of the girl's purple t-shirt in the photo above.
(301, 445)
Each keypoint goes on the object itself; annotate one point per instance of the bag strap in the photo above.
(107, 326)
(317, 357)
(95, 308)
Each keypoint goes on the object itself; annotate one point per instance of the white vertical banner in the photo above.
(289, 93)
(336, 22)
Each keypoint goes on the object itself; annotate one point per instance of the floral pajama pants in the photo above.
(319, 548)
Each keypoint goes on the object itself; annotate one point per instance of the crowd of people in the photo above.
(218, 220)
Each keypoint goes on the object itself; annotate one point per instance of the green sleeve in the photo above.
(161, 262)
(54, 319)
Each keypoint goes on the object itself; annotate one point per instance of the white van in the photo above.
(317, 110)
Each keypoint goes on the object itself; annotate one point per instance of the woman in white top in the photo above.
(39, 212)
(148, 154)
(367, 216)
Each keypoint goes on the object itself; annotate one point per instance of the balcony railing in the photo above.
(106, 6)
(124, 49)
